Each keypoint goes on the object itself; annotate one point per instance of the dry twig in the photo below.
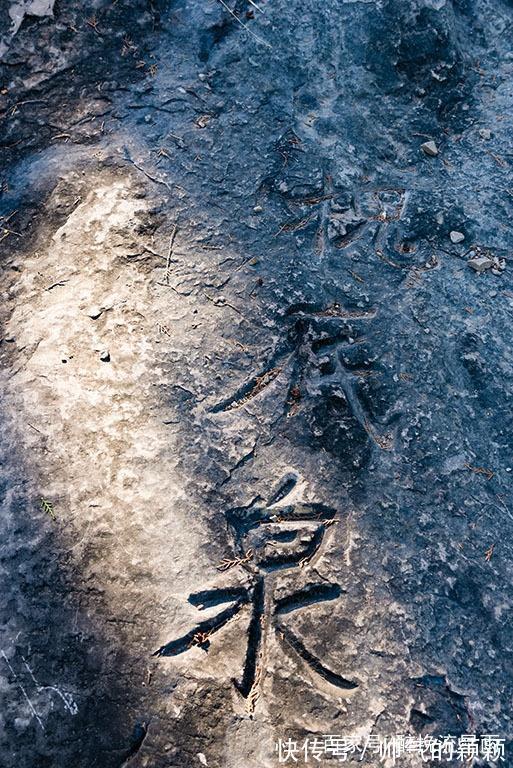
(47, 507)
(481, 471)
(200, 638)
(226, 563)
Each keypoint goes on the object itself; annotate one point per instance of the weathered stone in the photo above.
(430, 148)
(480, 263)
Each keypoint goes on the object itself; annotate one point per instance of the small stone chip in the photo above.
(105, 356)
(456, 237)
(481, 263)
(485, 133)
(429, 148)
(499, 265)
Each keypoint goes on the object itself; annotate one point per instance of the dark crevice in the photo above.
(137, 738)
(327, 674)
(315, 593)
(208, 598)
(254, 641)
(281, 560)
(201, 630)
(352, 235)
(285, 537)
(250, 390)
(287, 484)
(420, 720)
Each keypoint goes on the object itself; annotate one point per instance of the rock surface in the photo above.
(283, 509)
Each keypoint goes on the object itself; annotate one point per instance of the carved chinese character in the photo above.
(267, 539)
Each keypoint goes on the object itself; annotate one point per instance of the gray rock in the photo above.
(105, 356)
(485, 133)
(481, 263)
(430, 148)
(456, 237)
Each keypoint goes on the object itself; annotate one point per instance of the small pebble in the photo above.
(94, 312)
(485, 133)
(105, 356)
(481, 263)
(203, 121)
(499, 264)
(456, 237)
(429, 148)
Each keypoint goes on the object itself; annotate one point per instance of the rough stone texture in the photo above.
(304, 376)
